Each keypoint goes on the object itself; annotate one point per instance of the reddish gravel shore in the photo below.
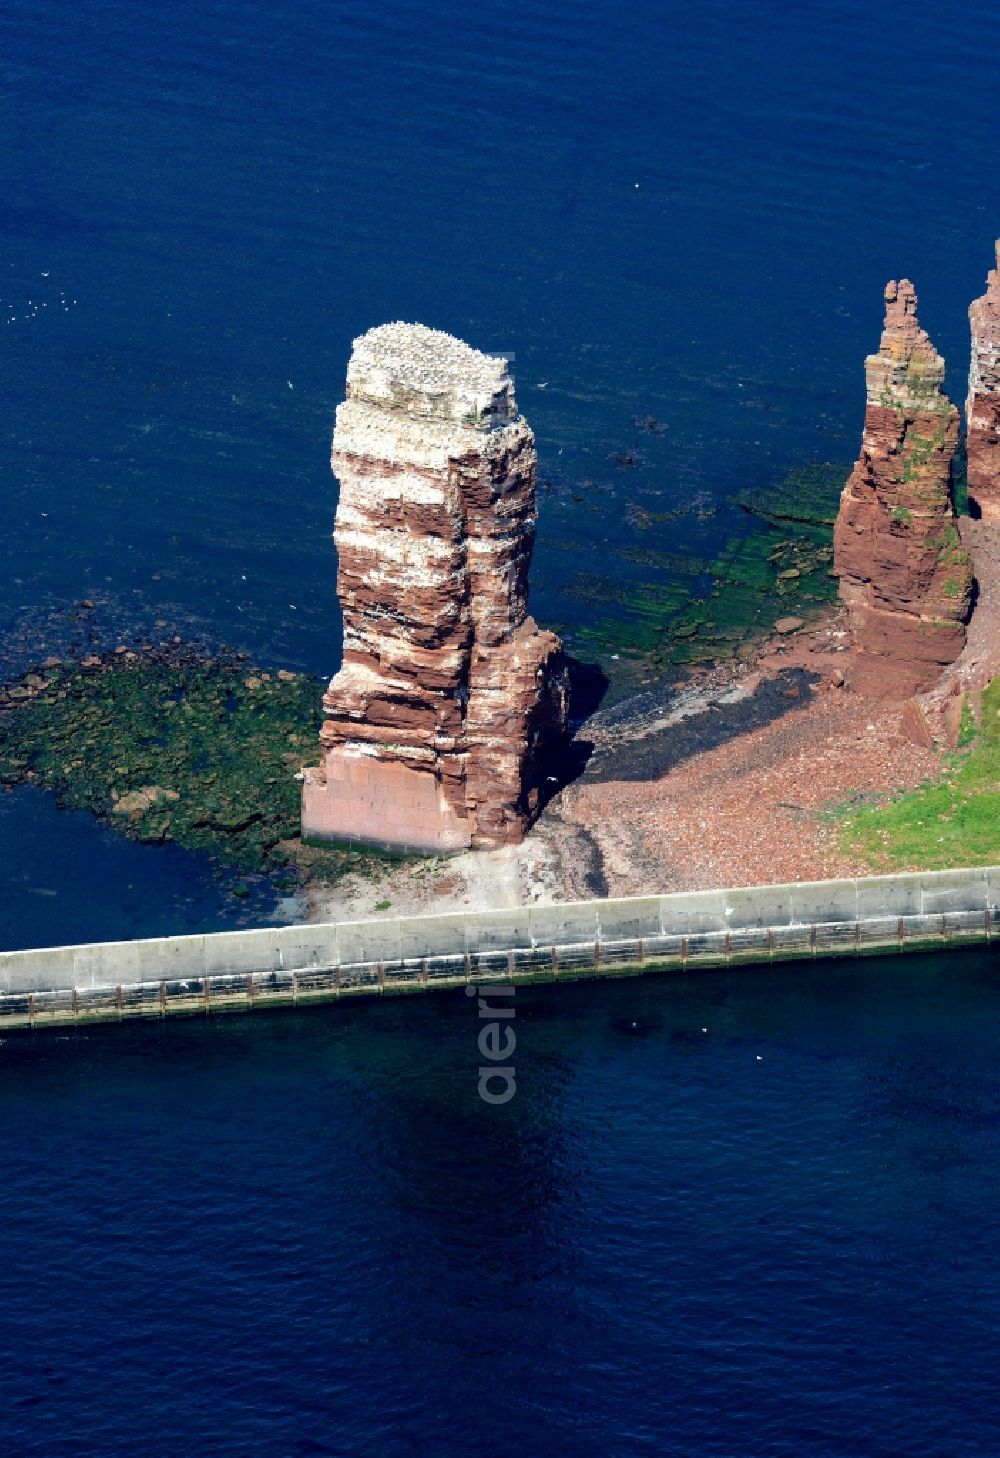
(749, 811)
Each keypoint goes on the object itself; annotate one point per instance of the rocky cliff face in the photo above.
(982, 410)
(449, 698)
(904, 575)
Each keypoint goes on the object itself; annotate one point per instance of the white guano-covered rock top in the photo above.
(428, 374)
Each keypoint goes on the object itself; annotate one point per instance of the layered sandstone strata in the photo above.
(904, 576)
(982, 409)
(450, 698)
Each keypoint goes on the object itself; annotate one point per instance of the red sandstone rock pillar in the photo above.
(449, 695)
(982, 409)
(904, 575)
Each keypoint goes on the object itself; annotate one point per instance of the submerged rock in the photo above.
(904, 574)
(137, 802)
(449, 697)
(982, 409)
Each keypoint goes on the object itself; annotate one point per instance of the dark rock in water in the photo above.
(627, 459)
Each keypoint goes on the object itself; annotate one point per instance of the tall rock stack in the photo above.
(450, 697)
(904, 575)
(982, 409)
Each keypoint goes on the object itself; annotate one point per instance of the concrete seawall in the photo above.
(241, 970)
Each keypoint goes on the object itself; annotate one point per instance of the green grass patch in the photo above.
(954, 821)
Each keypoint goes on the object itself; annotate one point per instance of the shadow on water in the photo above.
(588, 685)
(566, 761)
(664, 749)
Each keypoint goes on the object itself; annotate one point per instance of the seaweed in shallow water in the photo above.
(172, 746)
(705, 612)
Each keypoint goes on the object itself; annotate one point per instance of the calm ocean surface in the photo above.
(305, 1234)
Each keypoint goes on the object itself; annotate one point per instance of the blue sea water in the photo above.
(763, 1226)
(305, 1234)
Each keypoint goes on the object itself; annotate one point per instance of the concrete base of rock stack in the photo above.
(362, 799)
(450, 703)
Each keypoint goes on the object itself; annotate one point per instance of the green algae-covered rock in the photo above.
(168, 745)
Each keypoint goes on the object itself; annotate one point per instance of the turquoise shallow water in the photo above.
(298, 1234)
